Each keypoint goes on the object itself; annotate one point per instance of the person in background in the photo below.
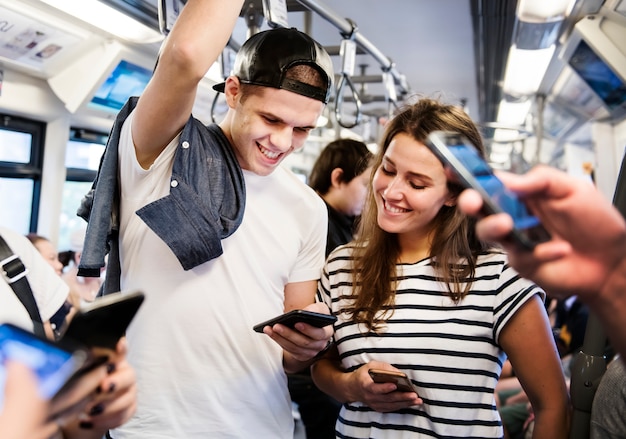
(101, 399)
(570, 323)
(340, 176)
(609, 403)
(82, 289)
(417, 292)
(214, 230)
(47, 250)
(59, 319)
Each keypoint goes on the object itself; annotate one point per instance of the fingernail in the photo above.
(85, 425)
(96, 409)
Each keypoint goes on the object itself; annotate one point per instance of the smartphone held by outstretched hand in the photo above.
(459, 156)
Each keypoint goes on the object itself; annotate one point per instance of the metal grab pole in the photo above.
(588, 367)
(346, 27)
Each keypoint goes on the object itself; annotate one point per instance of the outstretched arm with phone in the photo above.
(585, 256)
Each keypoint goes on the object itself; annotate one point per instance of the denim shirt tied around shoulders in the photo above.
(205, 204)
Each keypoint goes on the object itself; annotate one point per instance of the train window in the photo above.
(21, 161)
(82, 158)
(15, 147)
(17, 194)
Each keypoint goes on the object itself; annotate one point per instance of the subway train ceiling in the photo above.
(456, 49)
(432, 44)
(453, 49)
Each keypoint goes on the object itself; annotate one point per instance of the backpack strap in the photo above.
(14, 273)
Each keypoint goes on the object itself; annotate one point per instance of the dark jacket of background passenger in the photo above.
(340, 229)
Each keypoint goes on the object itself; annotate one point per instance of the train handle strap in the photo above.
(348, 59)
(345, 80)
(14, 273)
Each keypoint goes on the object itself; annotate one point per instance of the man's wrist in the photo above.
(613, 292)
(321, 353)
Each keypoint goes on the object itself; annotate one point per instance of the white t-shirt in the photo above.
(49, 290)
(202, 371)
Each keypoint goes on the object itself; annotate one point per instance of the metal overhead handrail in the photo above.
(214, 107)
(235, 46)
(345, 27)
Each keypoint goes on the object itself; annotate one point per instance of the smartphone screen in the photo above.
(51, 363)
(471, 170)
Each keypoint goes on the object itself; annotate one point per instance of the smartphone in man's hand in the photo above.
(290, 318)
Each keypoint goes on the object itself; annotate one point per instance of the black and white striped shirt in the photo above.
(450, 351)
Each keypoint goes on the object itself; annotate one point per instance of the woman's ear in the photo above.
(451, 200)
(335, 177)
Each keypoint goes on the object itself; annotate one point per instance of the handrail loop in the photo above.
(345, 79)
(348, 59)
(214, 106)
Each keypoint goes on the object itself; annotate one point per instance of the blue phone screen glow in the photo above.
(496, 190)
(52, 365)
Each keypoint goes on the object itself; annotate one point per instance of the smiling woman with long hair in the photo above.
(418, 292)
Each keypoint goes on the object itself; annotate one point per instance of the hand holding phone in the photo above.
(53, 364)
(290, 318)
(400, 379)
(470, 170)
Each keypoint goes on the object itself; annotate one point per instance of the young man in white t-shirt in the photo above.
(202, 370)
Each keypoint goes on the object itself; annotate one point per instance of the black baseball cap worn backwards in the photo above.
(265, 58)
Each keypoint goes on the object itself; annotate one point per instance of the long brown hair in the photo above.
(454, 246)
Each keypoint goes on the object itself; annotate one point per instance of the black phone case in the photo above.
(290, 318)
(103, 322)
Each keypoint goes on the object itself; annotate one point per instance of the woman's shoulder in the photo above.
(343, 251)
(492, 255)
(341, 257)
